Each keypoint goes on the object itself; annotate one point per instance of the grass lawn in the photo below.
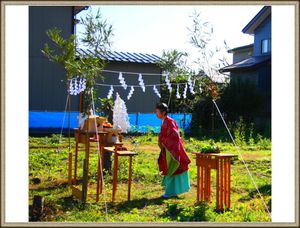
(48, 178)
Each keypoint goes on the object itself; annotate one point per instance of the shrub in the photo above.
(55, 139)
(263, 143)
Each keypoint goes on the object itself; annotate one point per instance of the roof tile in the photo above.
(125, 56)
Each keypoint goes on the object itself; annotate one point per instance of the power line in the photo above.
(149, 85)
(137, 73)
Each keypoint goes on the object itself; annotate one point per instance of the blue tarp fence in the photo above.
(52, 122)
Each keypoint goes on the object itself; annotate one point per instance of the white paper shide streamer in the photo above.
(110, 92)
(82, 84)
(185, 90)
(122, 80)
(77, 85)
(71, 88)
(200, 89)
(191, 86)
(130, 93)
(156, 91)
(177, 92)
(141, 83)
(120, 115)
(168, 83)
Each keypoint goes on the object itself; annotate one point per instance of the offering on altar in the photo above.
(113, 133)
(90, 122)
(210, 149)
(107, 125)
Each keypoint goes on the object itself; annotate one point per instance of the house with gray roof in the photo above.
(252, 62)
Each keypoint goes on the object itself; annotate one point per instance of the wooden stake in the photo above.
(115, 174)
(99, 180)
(37, 208)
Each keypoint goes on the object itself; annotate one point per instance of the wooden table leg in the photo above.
(75, 165)
(204, 184)
(225, 182)
(99, 180)
(218, 186)
(129, 177)
(222, 183)
(198, 183)
(102, 161)
(115, 176)
(201, 183)
(208, 184)
(83, 192)
(87, 155)
(222, 165)
(101, 168)
(229, 179)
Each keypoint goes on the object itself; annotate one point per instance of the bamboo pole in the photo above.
(70, 169)
(87, 154)
(69, 121)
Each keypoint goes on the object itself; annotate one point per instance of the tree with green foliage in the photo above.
(173, 62)
(96, 37)
(106, 108)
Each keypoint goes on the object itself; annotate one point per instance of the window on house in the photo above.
(265, 46)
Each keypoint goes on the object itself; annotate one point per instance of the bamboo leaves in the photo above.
(211, 56)
(96, 36)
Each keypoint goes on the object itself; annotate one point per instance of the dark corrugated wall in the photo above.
(47, 92)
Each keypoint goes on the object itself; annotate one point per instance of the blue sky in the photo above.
(150, 29)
